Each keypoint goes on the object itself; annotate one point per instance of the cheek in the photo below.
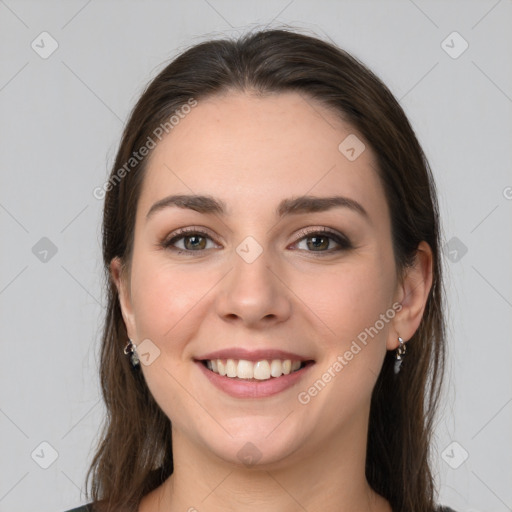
(349, 305)
(347, 299)
(168, 302)
(350, 302)
(164, 296)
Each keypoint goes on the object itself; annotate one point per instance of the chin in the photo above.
(260, 446)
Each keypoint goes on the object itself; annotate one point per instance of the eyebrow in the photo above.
(297, 205)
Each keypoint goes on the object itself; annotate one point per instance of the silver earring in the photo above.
(399, 355)
(130, 350)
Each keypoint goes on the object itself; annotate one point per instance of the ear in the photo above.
(120, 278)
(412, 293)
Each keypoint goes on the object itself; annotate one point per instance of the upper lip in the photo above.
(252, 355)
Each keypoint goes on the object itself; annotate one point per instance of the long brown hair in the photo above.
(134, 454)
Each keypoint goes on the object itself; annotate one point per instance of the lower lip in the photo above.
(240, 388)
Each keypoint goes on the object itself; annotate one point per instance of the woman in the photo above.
(274, 337)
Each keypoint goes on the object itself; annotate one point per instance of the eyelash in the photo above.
(343, 242)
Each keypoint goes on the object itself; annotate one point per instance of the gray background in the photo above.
(61, 121)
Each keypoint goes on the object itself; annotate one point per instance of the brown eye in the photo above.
(318, 242)
(188, 241)
(322, 241)
(194, 242)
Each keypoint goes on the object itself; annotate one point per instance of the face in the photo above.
(257, 281)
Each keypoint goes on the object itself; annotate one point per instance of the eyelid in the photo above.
(180, 233)
(318, 229)
(338, 237)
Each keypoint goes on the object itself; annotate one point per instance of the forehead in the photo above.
(248, 149)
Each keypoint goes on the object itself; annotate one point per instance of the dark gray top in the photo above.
(88, 508)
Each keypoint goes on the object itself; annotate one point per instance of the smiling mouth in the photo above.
(266, 369)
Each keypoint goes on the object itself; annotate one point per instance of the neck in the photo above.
(325, 478)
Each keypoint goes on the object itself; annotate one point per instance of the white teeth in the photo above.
(231, 368)
(245, 369)
(276, 368)
(260, 370)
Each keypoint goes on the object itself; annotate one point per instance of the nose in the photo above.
(253, 294)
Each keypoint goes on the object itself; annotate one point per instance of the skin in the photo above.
(251, 152)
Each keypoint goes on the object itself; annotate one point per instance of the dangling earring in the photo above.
(130, 350)
(399, 354)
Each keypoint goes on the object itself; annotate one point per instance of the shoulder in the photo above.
(83, 508)
(445, 509)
